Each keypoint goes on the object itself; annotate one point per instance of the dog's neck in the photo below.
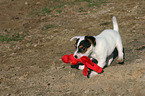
(92, 55)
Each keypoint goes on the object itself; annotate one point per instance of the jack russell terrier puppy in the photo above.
(100, 47)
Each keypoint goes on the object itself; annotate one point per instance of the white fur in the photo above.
(115, 25)
(76, 37)
(81, 67)
(106, 42)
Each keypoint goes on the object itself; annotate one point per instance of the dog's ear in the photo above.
(91, 39)
(76, 37)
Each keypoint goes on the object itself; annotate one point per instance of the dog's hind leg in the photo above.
(119, 46)
(110, 59)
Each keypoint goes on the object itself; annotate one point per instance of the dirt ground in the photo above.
(35, 34)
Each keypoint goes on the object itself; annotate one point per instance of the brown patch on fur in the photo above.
(81, 46)
(86, 50)
(91, 41)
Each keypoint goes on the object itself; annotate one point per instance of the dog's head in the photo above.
(84, 45)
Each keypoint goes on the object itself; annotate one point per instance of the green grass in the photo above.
(59, 11)
(83, 0)
(92, 3)
(46, 10)
(7, 38)
(58, 6)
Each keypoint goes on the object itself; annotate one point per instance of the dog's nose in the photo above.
(76, 56)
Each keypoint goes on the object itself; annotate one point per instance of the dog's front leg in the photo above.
(92, 74)
(101, 63)
(80, 66)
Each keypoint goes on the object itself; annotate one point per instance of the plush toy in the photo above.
(85, 60)
(70, 59)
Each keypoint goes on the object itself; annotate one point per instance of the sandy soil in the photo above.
(35, 34)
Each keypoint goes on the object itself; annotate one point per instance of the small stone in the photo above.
(37, 3)
(35, 45)
(87, 91)
(13, 54)
(28, 45)
(68, 92)
(26, 3)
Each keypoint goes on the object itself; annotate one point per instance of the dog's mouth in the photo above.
(76, 56)
(79, 55)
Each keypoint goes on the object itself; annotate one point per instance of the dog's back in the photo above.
(109, 37)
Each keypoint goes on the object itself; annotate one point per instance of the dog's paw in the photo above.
(120, 61)
(92, 74)
(79, 66)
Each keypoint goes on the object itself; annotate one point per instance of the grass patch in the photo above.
(83, 0)
(48, 26)
(46, 10)
(92, 3)
(59, 11)
(15, 37)
(58, 6)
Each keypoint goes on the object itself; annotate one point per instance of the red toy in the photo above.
(85, 60)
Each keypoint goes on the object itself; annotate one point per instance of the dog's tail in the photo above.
(115, 25)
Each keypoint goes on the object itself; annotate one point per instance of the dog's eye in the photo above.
(83, 49)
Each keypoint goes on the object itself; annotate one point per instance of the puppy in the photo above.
(100, 47)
